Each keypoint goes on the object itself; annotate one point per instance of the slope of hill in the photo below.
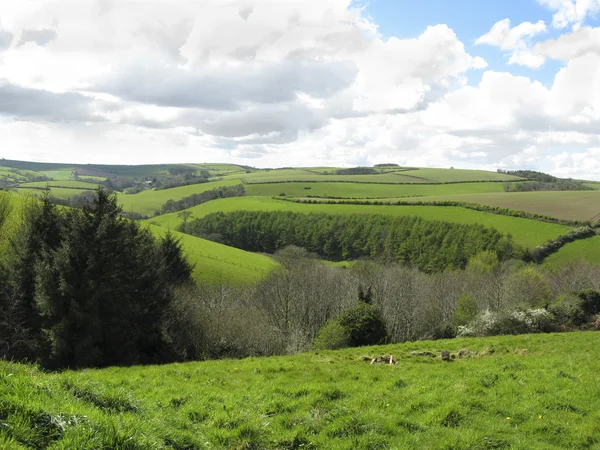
(368, 190)
(528, 233)
(525, 392)
(217, 263)
(569, 205)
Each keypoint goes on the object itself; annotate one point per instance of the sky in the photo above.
(491, 84)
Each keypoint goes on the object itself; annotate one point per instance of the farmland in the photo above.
(587, 249)
(569, 205)
(366, 190)
(146, 202)
(521, 392)
(217, 263)
(528, 233)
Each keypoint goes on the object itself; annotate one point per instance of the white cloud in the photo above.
(516, 40)
(279, 83)
(571, 12)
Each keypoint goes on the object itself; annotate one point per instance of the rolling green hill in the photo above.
(569, 205)
(519, 392)
(217, 263)
(528, 233)
(586, 249)
(366, 190)
(146, 202)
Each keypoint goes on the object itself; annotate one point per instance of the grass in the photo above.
(569, 205)
(528, 233)
(58, 192)
(146, 202)
(365, 190)
(216, 263)
(453, 175)
(519, 392)
(59, 174)
(587, 249)
(72, 184)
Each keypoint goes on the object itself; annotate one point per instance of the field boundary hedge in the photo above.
(245, 181)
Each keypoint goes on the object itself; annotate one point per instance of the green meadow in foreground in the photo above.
(518, 392)
(528, 233)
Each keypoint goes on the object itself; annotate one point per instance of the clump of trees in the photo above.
(542, 182)
(429, 245)
(308, 304)
(88, 288)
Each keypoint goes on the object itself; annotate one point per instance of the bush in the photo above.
(568, 311)
(364, 325)
(332, 336)
(466, 310)
(494, 323)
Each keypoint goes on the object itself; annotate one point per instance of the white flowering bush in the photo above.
(492, 323)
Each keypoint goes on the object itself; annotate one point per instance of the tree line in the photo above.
(87, 288)
(432, 246)
(308, 304)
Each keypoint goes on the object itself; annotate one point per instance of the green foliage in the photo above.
(483, 262)
(206, 196)
(529, 392)
(332, 336)
(466, 310)
(364, 325)
(568, 311)
(88, 288)
(432, 246)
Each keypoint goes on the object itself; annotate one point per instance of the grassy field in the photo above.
(528, 233)
(59, 174)
(569, 205)
(216, 263)
(453, 175)
(364, 190)
(58, 192)
(72, 184)
(146, 202)
(519, 392)
(587, 249)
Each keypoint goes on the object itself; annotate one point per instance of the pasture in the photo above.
(586, 249)
(526, 232)
(217, 263)
(520, 392)
(568, 205)
(365, 190)
(146, 202)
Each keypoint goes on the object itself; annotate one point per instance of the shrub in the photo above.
(493, 323)
(568, 310)
(364, 325)
(466, 310)
(332, 336)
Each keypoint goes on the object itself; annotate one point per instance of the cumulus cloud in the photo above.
(40, 37)
(278, 83)
(516, 40)
(35, 104)
(571, 12)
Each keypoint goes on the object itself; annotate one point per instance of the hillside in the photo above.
(217, 263)
(144, 190)
(526, 232)
(521, 392)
